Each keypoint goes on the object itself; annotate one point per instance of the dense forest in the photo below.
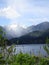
(36, 37)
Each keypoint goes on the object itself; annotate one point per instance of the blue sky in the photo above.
(24, 12)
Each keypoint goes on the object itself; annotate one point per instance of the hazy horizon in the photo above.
(24, 12)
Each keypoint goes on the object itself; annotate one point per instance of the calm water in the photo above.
(36, 49)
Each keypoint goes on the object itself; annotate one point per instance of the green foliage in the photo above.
(26, 59)
(46, 47)
(47, 41)
(6, 54)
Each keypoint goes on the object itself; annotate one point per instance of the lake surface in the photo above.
(36, 49)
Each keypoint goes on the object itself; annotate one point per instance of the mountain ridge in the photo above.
(19, 31)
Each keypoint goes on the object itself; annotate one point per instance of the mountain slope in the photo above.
(36, 37)
(14, 31)
(40, 27)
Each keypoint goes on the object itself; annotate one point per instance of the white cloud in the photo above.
(14, 8)
(9, 13)
(23, 7)
(38, 19)
(19, 5)
(17, 23)
(35, 21)
(37, 11)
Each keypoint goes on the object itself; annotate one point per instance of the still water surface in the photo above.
(36, 49)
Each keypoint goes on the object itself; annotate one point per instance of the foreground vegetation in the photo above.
(25, 59)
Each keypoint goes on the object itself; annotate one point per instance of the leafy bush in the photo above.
(26, 59)
(6, 54)
(46, 47)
